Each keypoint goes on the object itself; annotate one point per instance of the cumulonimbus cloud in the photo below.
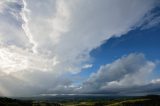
(57, 36)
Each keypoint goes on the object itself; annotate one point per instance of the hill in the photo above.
(150, 100)
(15, 102)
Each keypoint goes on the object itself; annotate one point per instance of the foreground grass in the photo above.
(122, 103)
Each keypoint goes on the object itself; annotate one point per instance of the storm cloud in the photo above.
(42, 41)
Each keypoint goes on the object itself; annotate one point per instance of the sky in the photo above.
(57, 47)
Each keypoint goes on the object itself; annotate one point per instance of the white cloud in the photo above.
(57, 36)
(14, 59)
(24, 14)
(66, 34)
(129, 71)
(152, 22)
(87, 66)
(155, 81)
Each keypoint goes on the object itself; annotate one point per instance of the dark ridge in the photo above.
(149, 100)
